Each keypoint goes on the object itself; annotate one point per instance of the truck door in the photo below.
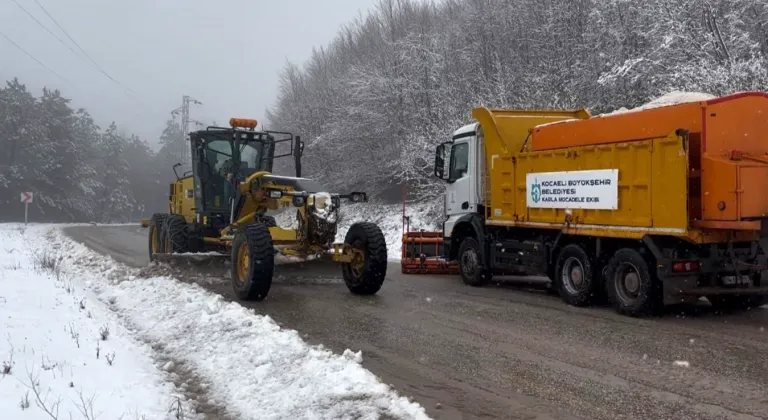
(458, 192)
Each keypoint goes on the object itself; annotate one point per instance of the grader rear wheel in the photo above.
(365, 274)
(156, 239)
(253, 262)
(175, 233)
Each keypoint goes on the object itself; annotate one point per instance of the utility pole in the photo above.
(184, 151)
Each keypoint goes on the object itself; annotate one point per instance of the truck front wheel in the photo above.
(470, 264)
(632, 288)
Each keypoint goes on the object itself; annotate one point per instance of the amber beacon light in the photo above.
(243, 123)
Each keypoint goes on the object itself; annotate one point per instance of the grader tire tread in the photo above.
(156, 224)
(261, 265)
(176, 229)
(269, 221)
(375, 270)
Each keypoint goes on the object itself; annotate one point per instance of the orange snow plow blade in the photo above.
(422, 254)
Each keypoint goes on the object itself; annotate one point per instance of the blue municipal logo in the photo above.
(536, 191)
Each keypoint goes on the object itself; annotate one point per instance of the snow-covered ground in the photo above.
(62, 350)
(389, 217)
(166, 339)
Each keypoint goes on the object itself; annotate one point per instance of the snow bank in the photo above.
(389, 217)
(671, 98)
(61, 345)
(245, 361)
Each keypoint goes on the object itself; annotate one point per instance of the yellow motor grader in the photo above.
(221, 207)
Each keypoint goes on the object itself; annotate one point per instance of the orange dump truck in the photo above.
(646, 208)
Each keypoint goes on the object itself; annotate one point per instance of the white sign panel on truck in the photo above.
(593, 189)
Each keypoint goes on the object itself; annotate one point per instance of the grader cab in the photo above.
(220, 208)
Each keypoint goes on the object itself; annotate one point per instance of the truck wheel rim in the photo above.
(469, 262)
(573, 276)
(628, 282)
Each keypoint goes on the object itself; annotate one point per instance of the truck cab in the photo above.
(459, 162)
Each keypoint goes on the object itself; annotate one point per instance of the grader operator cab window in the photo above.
(224, 159)
(217, 163)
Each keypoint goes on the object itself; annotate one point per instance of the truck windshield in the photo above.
(459, 160)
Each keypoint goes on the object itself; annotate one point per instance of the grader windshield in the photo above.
(223, 157)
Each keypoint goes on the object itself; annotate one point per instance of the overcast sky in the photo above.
(225, 53)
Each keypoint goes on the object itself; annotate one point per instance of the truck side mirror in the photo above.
(440, 161)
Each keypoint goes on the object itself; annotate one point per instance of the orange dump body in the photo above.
(728, 152)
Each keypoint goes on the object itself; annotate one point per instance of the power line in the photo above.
(44, 27)
(126, 90)
(33, 57)
(75, 42)
(130, 92)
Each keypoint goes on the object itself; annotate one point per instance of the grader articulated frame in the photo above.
(220, 209)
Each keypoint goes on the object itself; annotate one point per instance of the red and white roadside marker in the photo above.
(26, 198)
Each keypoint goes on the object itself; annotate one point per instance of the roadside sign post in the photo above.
(26, 198)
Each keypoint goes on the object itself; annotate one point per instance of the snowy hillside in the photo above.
(81, 332)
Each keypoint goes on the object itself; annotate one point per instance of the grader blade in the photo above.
(191, 258)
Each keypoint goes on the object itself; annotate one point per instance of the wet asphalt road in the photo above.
(509, 351)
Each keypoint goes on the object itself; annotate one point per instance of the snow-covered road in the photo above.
(171, 347)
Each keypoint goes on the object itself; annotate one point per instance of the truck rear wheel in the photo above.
(253, 262)
(470, 264)
(365, 274)
(632, 288)
(575, 279)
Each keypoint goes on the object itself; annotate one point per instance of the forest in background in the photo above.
(78, 171)
(373, 103)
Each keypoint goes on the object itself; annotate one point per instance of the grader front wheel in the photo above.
(253, 262)
(365, 274)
